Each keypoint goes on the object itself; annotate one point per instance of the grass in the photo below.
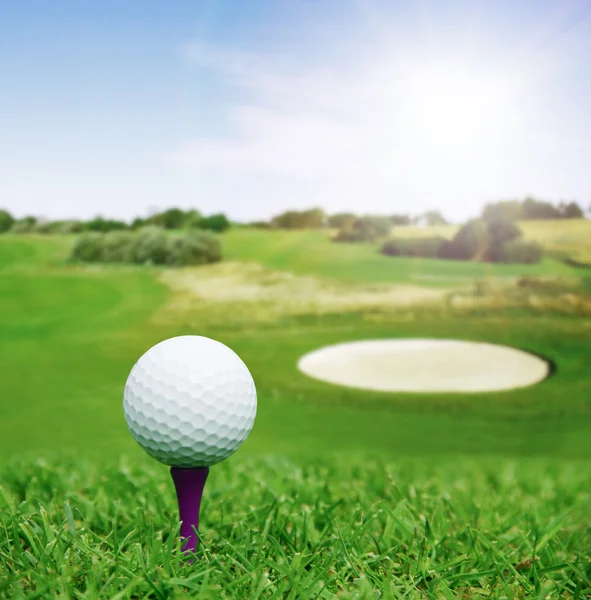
(313, 253)
(71, 335)
(337, 492)
(276, 529)
(568, 237)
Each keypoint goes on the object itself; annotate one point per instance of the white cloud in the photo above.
(404, 129)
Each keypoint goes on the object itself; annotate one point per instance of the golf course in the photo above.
(337, 492)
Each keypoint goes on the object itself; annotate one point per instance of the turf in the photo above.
(337, 492)
(71, 334)
(313, 253)
(275, 529)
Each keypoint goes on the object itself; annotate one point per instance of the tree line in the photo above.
(171, 218)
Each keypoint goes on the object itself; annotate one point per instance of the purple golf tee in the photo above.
(189, 485)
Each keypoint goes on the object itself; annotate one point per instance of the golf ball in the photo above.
(189, 401)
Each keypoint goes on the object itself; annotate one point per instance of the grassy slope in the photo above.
(312, 252)
(67, 338)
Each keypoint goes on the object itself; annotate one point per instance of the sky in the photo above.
(251, 108)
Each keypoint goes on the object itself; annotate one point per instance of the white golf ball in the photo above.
(190, 401)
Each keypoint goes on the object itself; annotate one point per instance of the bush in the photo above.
(118, 246)
(469, 243)
(194, 248)
(6, 221)
(521, 251)
(150, 246)
(365, 229)
(427, 247)
(218, 223)
(88, 247)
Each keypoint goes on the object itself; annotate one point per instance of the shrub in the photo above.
(521, 251)
(427, 247)
(365, 229)
(88, 247)
(150, 246)
(117, 246)
(6, 221)
(218, 223)
(469, 243)
(194, 248)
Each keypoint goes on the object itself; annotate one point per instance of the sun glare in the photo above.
(456, 106)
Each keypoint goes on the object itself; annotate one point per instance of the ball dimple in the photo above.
(190, 401)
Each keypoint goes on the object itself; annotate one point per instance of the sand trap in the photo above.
(424, 365)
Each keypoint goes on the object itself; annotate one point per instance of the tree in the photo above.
(432, 217)
(192, 218)
(171, 218)
(469, 243)
(399, 219)
(313, 218)
(507, 210)
(365, 229)
(218, 223)
(6, 220)
(538, 209)
(103, 225)
(570, 211)
(340, 220)
(500, 232)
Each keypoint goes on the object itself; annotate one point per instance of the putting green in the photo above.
(424, 365)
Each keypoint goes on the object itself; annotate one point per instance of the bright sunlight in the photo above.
(452, 105)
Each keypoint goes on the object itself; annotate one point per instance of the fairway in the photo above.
(71, 334)
(428, 495)
(313, 253)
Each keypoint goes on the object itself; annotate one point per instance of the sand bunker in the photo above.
(424, 365)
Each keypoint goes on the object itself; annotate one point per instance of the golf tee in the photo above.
(189, 484)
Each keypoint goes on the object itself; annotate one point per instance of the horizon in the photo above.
(125, 110)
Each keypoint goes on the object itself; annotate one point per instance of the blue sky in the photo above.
(120, 108)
